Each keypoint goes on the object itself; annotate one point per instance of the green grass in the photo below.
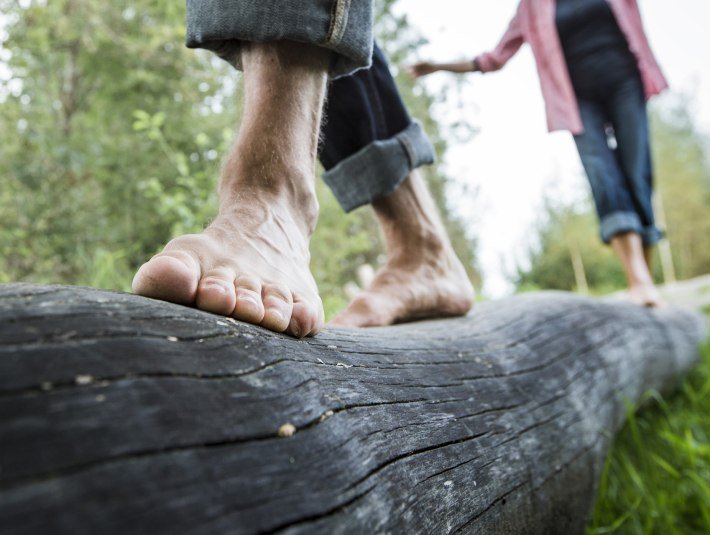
(657, 477)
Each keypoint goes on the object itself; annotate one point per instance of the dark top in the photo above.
(596, 50)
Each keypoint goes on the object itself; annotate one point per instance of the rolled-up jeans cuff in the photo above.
(343, 26)
(379, 168)
(651, 236)
(619, 222)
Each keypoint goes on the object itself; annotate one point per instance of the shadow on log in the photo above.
(120, 414)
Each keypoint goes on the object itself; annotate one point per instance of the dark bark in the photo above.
(120, 414)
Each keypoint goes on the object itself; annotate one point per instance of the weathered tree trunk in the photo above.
(120, 414)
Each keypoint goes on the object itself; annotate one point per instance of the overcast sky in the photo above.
(513, 161)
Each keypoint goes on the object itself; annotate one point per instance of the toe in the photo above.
(249, 306)
(278, 306)
(216, 293)
(169, 276)
(306, 320)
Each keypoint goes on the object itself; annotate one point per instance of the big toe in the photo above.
(169, 277)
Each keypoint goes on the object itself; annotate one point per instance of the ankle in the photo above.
(639, 276)
(302, 208)
(420, 242)
(410, 221)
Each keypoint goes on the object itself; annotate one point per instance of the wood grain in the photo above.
(120, 414)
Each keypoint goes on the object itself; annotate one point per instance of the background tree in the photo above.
(108, 138)
(682, 163)
(568, 254)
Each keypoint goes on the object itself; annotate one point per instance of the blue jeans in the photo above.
(343, 26)
(619, 173)
(370, 144)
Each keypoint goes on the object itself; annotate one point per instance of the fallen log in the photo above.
(120, 414)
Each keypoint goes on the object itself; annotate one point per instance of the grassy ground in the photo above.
(657, 476)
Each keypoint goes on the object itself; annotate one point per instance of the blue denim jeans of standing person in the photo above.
(370, 144)
(619, 168)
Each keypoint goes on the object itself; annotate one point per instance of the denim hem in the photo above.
(343, 26)
(618, 222)
(651, 236)
(379, 168)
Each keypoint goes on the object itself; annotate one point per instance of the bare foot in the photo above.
(252, 262)
(423, 277)
(646, 295)
(635, 260)
(411, 287)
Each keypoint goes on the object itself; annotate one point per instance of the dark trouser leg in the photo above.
(371, 150)
(370, 143)
(627, 111)
(613, 200)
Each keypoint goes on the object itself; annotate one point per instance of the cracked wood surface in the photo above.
(120, 414)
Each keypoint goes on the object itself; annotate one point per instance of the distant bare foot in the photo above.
(406, 289)
(252, 262)
(646, 295)
(423, 277)
(635, 260)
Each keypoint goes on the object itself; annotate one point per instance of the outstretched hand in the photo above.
(422, 68)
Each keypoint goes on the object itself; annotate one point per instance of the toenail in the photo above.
(249, 298)
(215, 284)
(278, 315)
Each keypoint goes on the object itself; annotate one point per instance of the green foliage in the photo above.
(683, 170)
(657, 478)
(340, 245)
(112, 127)
(566, 232)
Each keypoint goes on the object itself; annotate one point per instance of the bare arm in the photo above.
(509, 44)
(423, 68)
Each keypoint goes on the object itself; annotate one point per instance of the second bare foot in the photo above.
(412, 288)
(423, 277)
